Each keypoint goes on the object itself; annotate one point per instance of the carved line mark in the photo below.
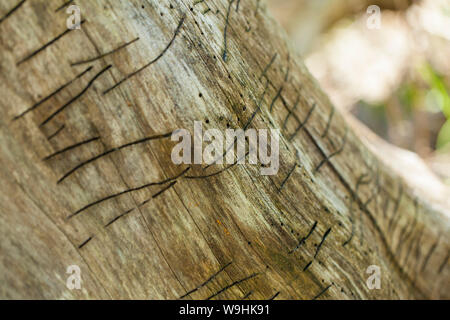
(411, 246)
(142, 204)
(220, 171)
(285, 105)
(37, 104)
(162, 191)
(266, 69)
(56, 132)
(247, 295)
(208, 281)
(280, 90)
(330, 119)
(237, 5)
(386, 205)
(227, 21)
(396, 206)
(105, 54)
(85, 242)
(376, 190)
(325, 235)
(177, 30)
(70, 172)
(307, 266)
(407, 230)
(91, 82)
(156, 194)
(353, 219)
(274, 296)
(34, 53)
(430, 252)
(125, 192)
(65, 4)
(301, 125)
(291, 111)
(76, 145)
(359, 182)
(368, 213)
(322, 292)
(361, 229)
(287, 178)
(118, 217)
(258, 108)
(303, 240)
(418, 252)
(277, 96)
(10, 12)
(444, 263)
(231, 285)
(327, 159)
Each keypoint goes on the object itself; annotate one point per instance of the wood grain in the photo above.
(87, 177)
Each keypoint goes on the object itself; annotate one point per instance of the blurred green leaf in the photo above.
(438, 97)
(444, 136)
(438, 89)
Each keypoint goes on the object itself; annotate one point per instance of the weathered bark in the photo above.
(311, 231)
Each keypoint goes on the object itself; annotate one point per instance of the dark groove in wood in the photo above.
(177, 30)
(125, 192)
(84, 163)
(10, 12)
(37, 104)
(105, 54)
(207, 281)
(76, 145)
(91, 82)
(65, 4)
(231, 285)
(45, 46)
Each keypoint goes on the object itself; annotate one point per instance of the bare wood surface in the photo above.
(87, 178)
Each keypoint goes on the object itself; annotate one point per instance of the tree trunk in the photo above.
(87, 177)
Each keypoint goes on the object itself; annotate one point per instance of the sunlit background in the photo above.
(395, 79)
